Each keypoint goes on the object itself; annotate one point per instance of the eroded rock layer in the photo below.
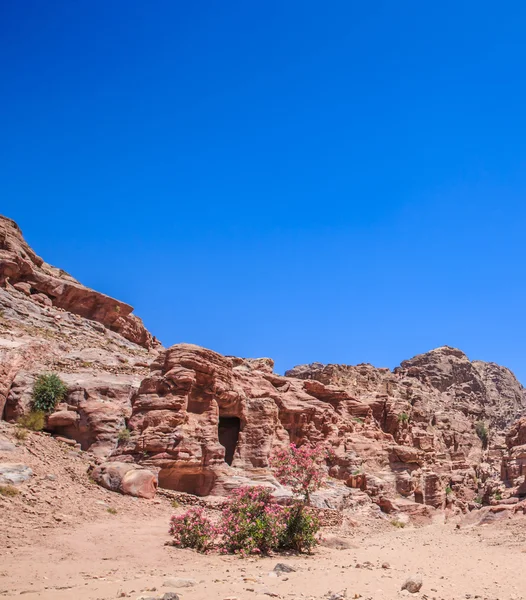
(440, 431)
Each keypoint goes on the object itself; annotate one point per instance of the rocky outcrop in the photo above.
(430, 434)
(514, 461)
(207, 422)
(23, 270)
(101, 368)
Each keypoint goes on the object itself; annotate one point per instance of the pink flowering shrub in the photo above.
(300, 468)
(303, 470)
(251, 523)
(192, 530)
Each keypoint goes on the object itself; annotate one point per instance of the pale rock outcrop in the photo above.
(126, 478)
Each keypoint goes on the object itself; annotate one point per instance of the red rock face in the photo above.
(514, 461)
(21, 268)
(206, 423)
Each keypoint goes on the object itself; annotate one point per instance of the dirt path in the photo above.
(123, 557)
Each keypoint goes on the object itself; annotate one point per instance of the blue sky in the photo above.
(311, 181)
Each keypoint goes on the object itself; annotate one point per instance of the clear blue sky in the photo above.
(312, 181)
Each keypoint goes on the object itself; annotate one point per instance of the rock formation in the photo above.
(439, 431)
(23, 270)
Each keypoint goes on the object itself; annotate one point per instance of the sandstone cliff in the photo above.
(439, 431)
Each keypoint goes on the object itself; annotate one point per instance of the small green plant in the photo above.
(358, 420)
(117, 308)
(34, 421)
(449, 490)
(482, 432)
(397, 523)
(478, 500)
(403, 417)
(175, 504)
(8, 490)
(124, 435)
(48, 391)
(112, 511)
(498, 495)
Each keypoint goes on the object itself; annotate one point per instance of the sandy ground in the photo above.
(64, 537)
(123, 556)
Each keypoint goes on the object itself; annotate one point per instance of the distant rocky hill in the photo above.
(438, 432)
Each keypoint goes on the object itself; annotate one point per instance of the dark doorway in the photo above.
(228, 432)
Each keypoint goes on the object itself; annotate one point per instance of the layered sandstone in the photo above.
(205, 423)
(23, 270)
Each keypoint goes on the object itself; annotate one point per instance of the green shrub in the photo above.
(449, 490)
(112, 511)
(403, 417)
(478, 500)
(498, 495)
(48, 391)
(300, 530)
(482, 432)
(34, 420)
(124, 435)
(8, 490)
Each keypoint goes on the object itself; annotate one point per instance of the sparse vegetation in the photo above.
(403, 417)
(117, 308)
(449, 490)
(111, 510)
(34, 421)
(482, 432)
(48, 391)
(478, 500)
(21, 433)
(498, 495)
(124, 435)
(175, 503)
(398, 523)
(358, 420)
(8, 490)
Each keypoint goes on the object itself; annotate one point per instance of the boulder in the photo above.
(14, 473)
(126, 478)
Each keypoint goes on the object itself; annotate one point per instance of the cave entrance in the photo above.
(228, 432)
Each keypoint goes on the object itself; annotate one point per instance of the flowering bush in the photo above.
(300, 468)
(300, 529)
(251, 523)
(192, 530)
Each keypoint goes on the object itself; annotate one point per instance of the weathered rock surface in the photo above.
(101, 368)
(405, 440)
(209, 422)
(14, 473)
(126, 478)
(23, 270)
